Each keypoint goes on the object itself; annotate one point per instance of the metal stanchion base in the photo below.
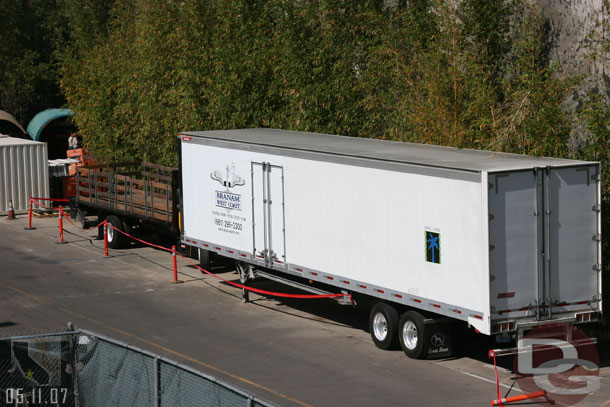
(61, 242)
(178, 282)
(29, 228)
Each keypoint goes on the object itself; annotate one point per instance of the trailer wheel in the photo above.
(204, 259)
(116, 240)
(383, 323)
(411, 334)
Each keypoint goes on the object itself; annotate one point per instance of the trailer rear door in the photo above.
(513, 256)
(573, 230)
(544, 242)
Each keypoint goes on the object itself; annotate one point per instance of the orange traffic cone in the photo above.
(11, 211)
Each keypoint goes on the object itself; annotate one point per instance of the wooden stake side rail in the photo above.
(139, 189)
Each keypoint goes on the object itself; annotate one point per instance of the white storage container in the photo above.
(24, 172)
(483, 237)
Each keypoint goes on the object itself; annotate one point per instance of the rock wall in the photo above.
(575, 27)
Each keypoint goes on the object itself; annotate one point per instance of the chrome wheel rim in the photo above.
(110, 233)
(409, 335)
(380, 326)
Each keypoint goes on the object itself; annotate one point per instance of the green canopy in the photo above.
(43, 118)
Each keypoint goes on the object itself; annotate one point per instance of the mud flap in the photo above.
(438, 341)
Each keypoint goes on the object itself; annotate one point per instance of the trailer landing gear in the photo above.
(246, 273)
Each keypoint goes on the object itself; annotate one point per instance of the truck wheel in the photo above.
(80, 215)
(383, 323)
(116, 240)
(411, 334)
(204, 259)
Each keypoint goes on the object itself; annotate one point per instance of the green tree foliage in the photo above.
(468, 74)
(29, 34)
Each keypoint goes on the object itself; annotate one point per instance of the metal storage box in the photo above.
(479, 236)
(24, 172)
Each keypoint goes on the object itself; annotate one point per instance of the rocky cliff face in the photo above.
(575, 27)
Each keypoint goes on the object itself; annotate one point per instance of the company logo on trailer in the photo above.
(562, 361)
(229, 179)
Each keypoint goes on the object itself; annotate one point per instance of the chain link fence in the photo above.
(82, 369)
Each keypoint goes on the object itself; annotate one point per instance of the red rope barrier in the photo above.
(80, 227)
(256, 290)
(41, 205)
(51, 199)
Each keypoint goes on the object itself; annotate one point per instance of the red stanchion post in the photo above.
(175, 265)
(521, 397)
(30, 216)
(61, 226)
(105, 238)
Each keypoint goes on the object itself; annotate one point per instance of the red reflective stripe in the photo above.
(218, 248)
(243, 255)
(436, 305)
(230, 251)
(362, 286)
(330, 278)
(381, 291)
(314, 273)
(416, 300)
(582, 302)
(506, 295)
(397, 295)
(185, 138)
(478, 317)
(205, 244)
(345, 282)
(301, 270)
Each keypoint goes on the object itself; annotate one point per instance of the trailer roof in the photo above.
(383, 150)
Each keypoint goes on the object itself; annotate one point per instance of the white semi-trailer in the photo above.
(503, 242)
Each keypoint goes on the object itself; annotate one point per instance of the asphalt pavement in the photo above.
(290, 352)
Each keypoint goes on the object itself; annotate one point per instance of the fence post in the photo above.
(30, 216)
(73, 344)
(105, 238)
(157, 382)
(61, 226)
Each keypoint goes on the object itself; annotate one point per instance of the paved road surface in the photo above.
(290, 352)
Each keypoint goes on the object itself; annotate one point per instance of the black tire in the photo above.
(412, 334)
(81, 216)
(204, 259)
(116, 240)
(383, 326)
